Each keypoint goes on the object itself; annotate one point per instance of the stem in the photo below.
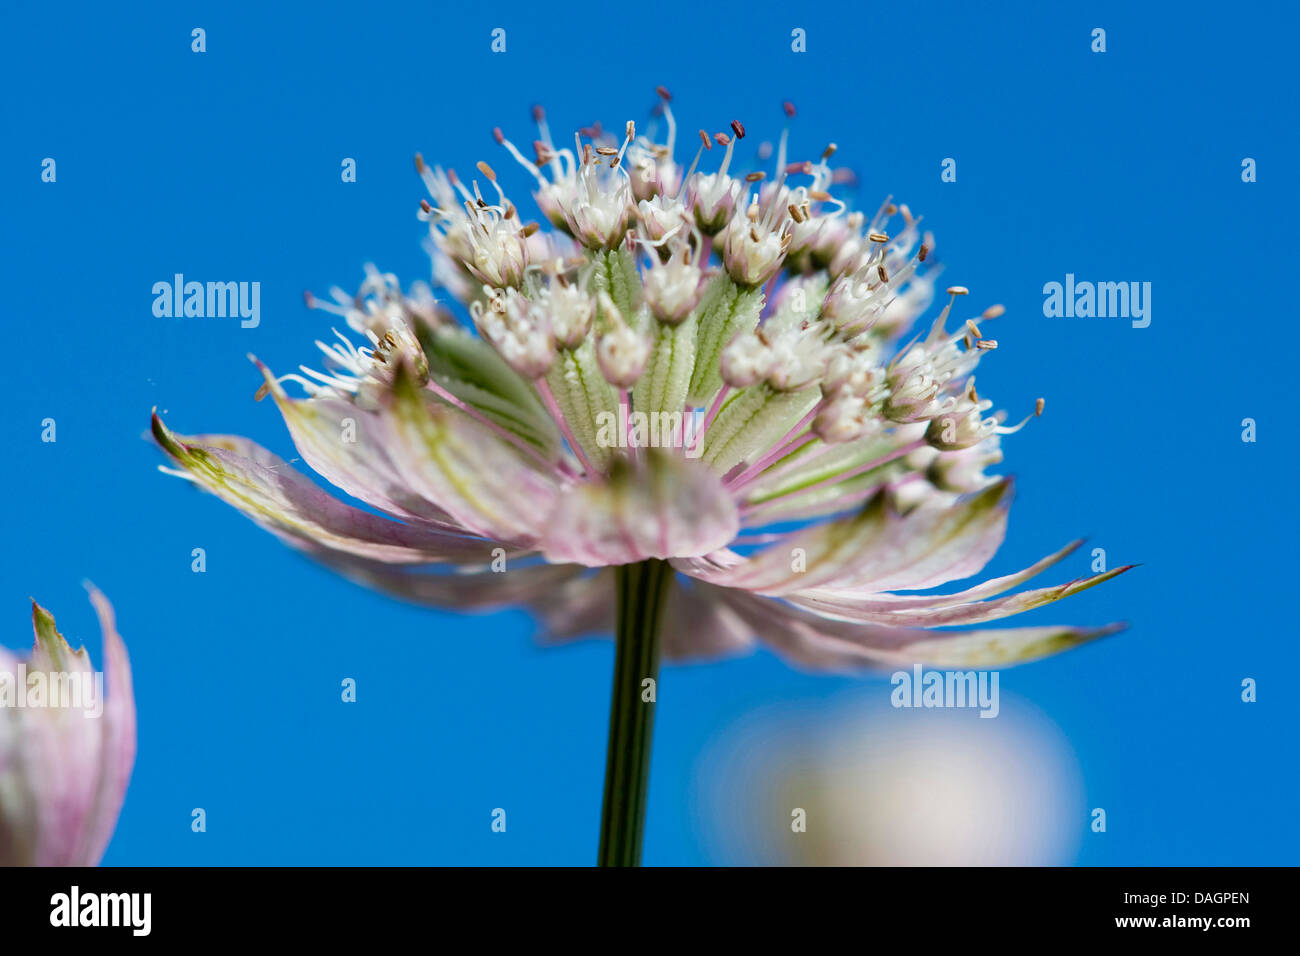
(642, 590)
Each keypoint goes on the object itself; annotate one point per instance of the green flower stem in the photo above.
(642, 590)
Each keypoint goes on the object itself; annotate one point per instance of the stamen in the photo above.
(503, 433)
(544, 154)
(884, 459)
(788, 107)
(625, 404)
(552, 406)
(750, 514)
(791, 442)
(709, 416)
(725, 140)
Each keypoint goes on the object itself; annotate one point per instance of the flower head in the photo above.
(66, 746)
(686, 360)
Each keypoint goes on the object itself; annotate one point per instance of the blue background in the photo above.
(225, 165)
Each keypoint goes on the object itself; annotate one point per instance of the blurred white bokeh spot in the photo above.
(880, 786)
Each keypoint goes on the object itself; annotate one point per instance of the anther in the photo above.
(487, 171)
(738, 128)
(704, 138)
(958, 290)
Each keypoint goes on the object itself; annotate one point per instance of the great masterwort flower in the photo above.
(699, 391)
(67, 746)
